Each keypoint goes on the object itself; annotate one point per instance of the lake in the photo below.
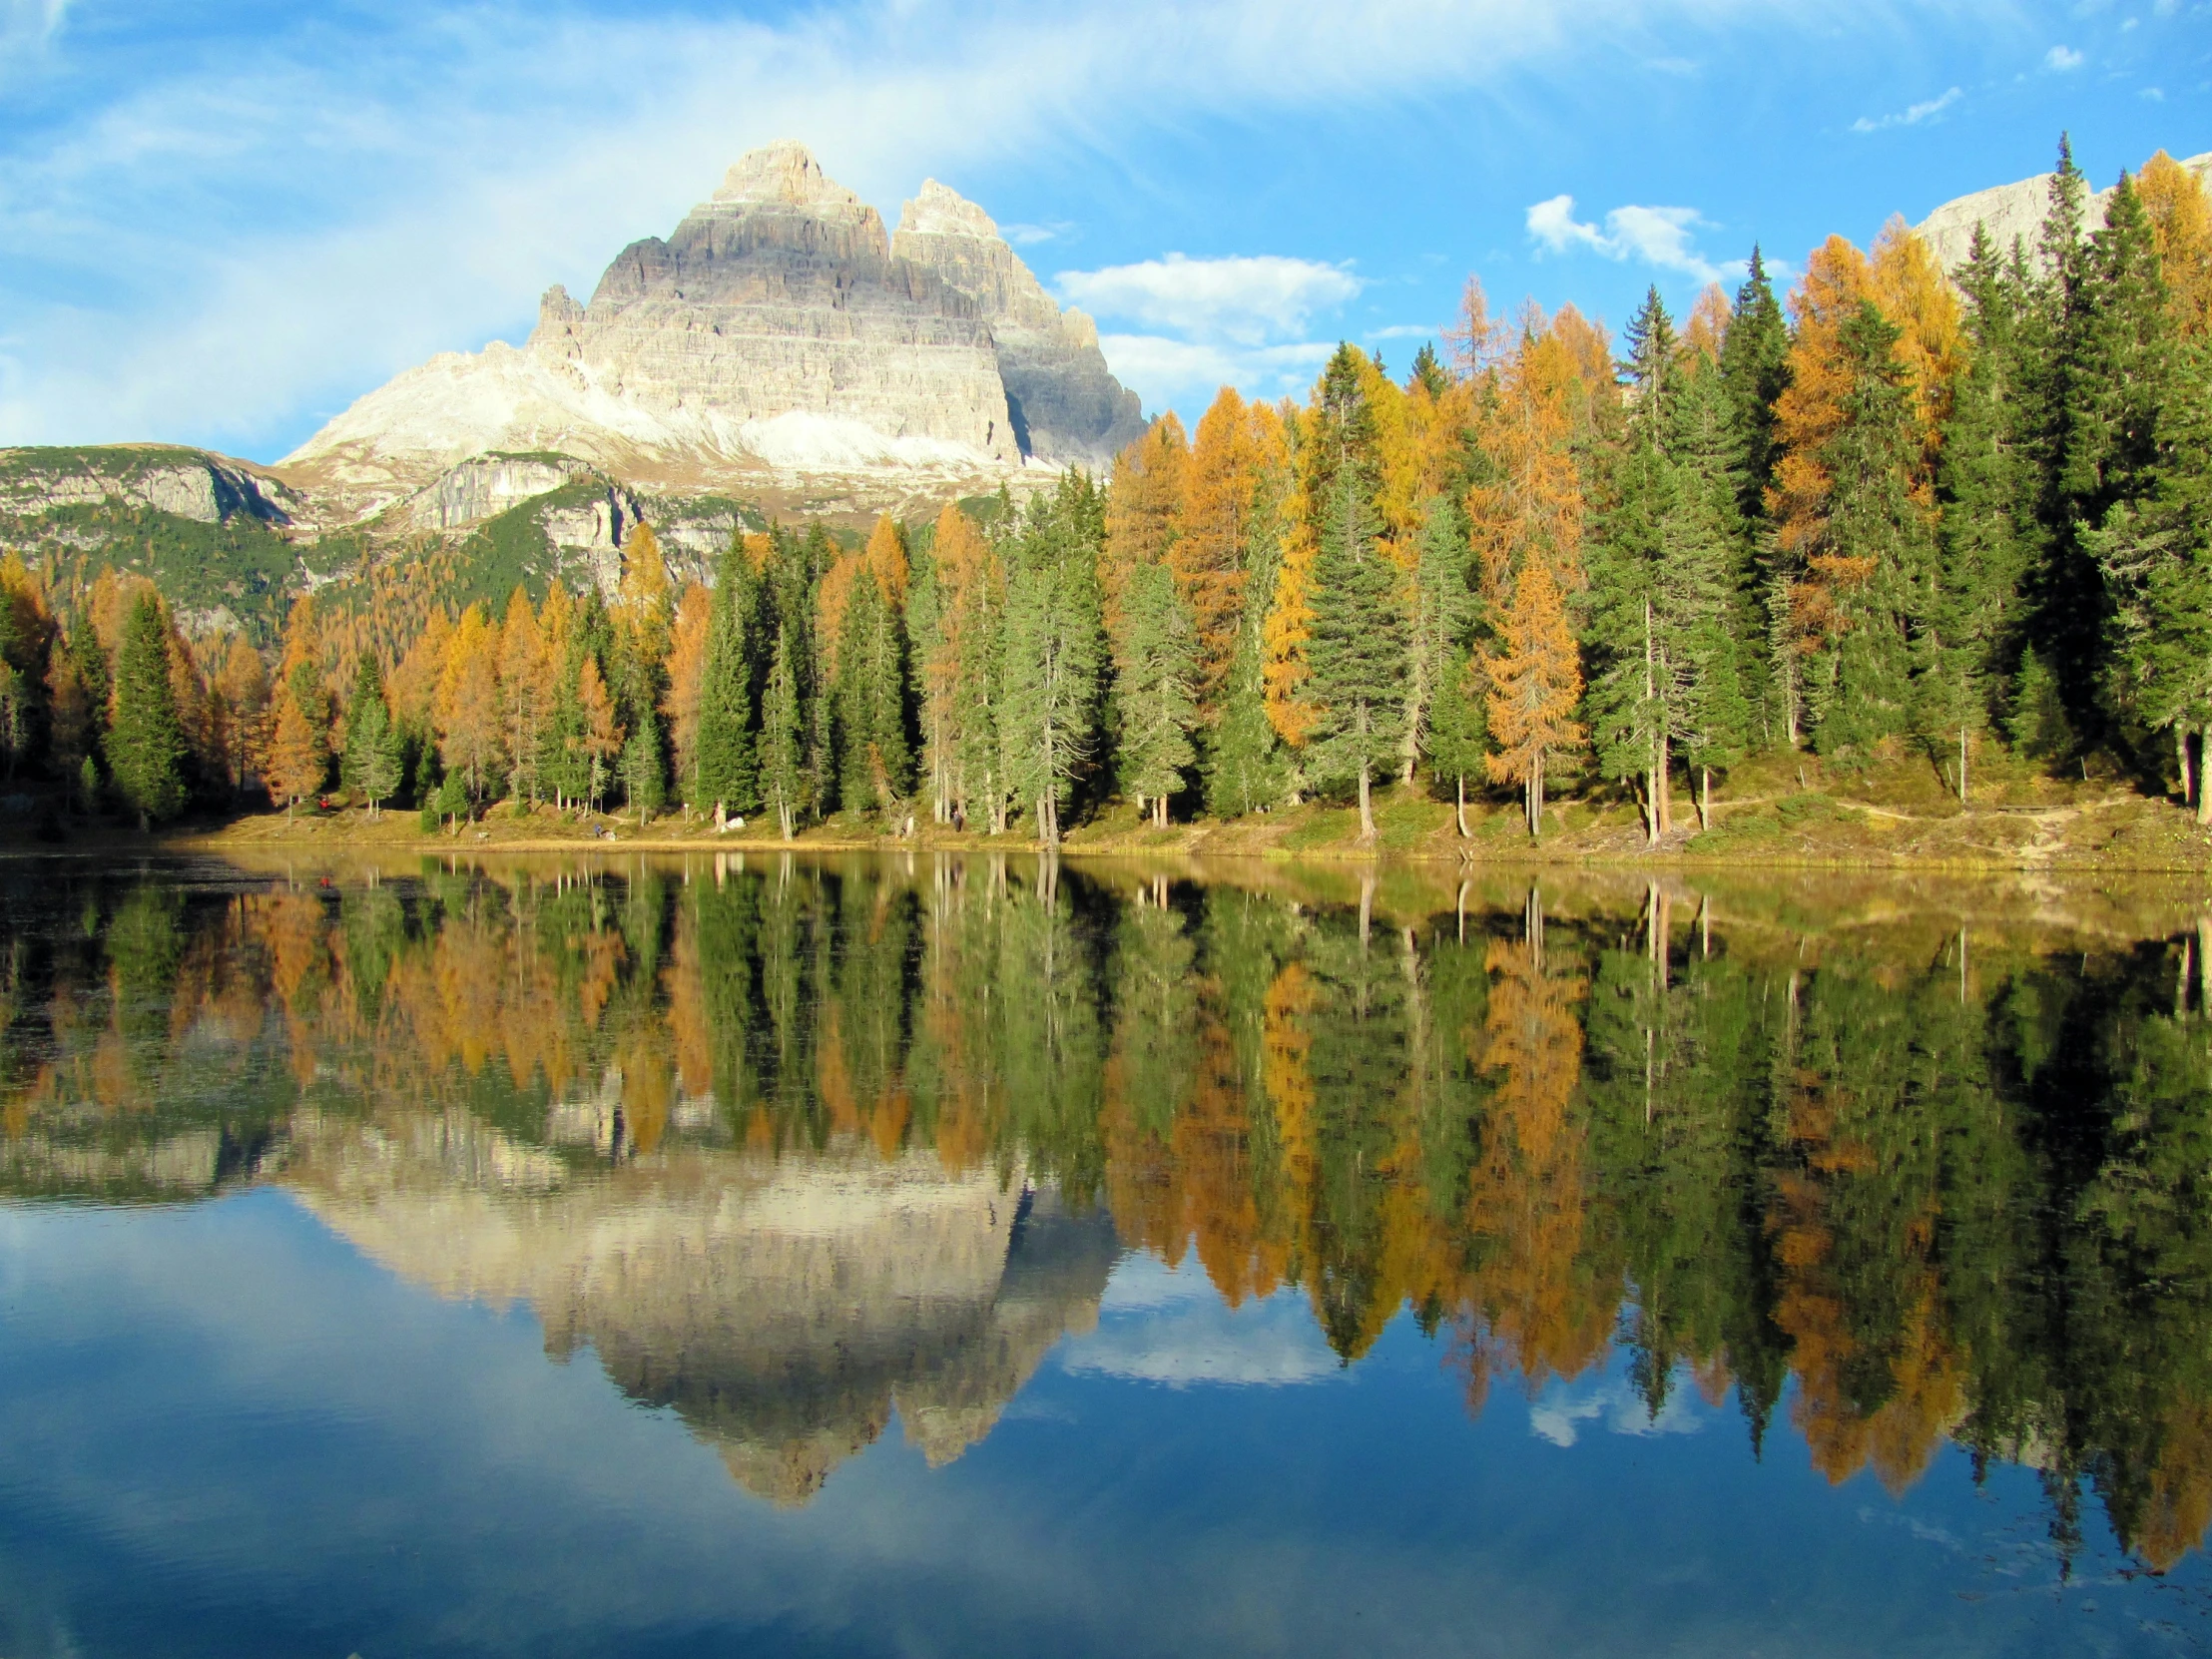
(940, 1255)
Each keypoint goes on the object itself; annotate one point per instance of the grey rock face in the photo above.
(2013, 212)
(187, 483)
(778, 331)
(1066, 404)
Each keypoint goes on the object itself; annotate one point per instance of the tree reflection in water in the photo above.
(795, 1143)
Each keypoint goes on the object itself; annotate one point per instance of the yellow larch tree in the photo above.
(1905, 280)
(467, 702)
(2180, 214)
(1707, 328)
(243, 682)
(886, 558)
(1208, 558)
(414, 688)
(1144, 513)
(525, 695)
(687, 666)
(953, 672)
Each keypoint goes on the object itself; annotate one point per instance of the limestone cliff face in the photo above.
(1066, 404)
(782, 1306)
(189, 483)
(776, 331)
(2013, 212)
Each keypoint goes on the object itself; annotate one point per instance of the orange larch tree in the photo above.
(1144, 513)
(467, 703)
(687, 666)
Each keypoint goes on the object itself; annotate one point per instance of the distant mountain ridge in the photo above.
(778, 333)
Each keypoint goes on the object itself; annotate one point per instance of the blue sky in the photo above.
(220, 224)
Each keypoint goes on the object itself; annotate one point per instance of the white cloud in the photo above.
(1404, 330)
(2063, 58)
(2154, 95)
(1657, 236)
(1557, 1415)
(1242, 300)
(1030, 235)
(1164, 1325)
(271, 220)
(1185, 374)
(1911, 117)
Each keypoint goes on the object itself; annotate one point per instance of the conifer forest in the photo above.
(1881, 515)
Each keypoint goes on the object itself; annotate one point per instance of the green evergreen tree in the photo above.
(1458, 733)
(1879, 548)
(1356, 651)
(874, 752)
(725, 768)
(1987, 491)
(145, 742)
(644, 767)
(1054, 652)
(1444, 614)
(1159, 708)
(2156, 550)
(368, 694)
(1428, 371)
(2119, 384)
(783, 739)
(1755, 370)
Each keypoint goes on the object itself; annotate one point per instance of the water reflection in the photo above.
(796, 1145)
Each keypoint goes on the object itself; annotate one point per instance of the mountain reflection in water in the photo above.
(790, 1145)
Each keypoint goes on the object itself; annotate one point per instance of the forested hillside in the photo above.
(1890, 518)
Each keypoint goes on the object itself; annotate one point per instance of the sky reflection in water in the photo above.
(888, 1258)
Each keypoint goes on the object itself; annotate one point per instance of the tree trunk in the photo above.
(1664, 794)
(1461, 809)
(2196, 779)
(1651, 807)
(1705, 798)
(1161, 803)
(1367, 811)
(1962, 766)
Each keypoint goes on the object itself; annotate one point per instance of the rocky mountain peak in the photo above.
(784, 172)
(941, 211)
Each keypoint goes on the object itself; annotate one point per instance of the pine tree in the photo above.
(146, 743)
(1459, 735)
(724, 760)
(1428, 371)
(783, 739)
(373, 756)
(1871, 563)
(2160, 540)
(1443, 612)
(1054, 652)
(367, 694)
(645, 768)
(1357, 650)
(1987, 494)
(1755, 368)
(870, 698)
(1247, 767)
(1158, 706)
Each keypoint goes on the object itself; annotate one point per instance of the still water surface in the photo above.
(935, 1256)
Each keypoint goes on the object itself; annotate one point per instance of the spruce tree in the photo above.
(1755, 359)
(145, 742)
(727, 774)
(783, 739)
(1159, 708)
(1986, 490)
(368, 694)
(644, 767)
(1357, 650)
(1054, 652)
(1458, 733)
(874, 752)
(1876, 557)
(2160, 543)
(373, 754)
(1443, 612)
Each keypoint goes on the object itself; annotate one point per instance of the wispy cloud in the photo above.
(1243, 299)
(1658, 237)
(1912, 116)
(2063, 58)
(1033, 235)
(218, 234)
